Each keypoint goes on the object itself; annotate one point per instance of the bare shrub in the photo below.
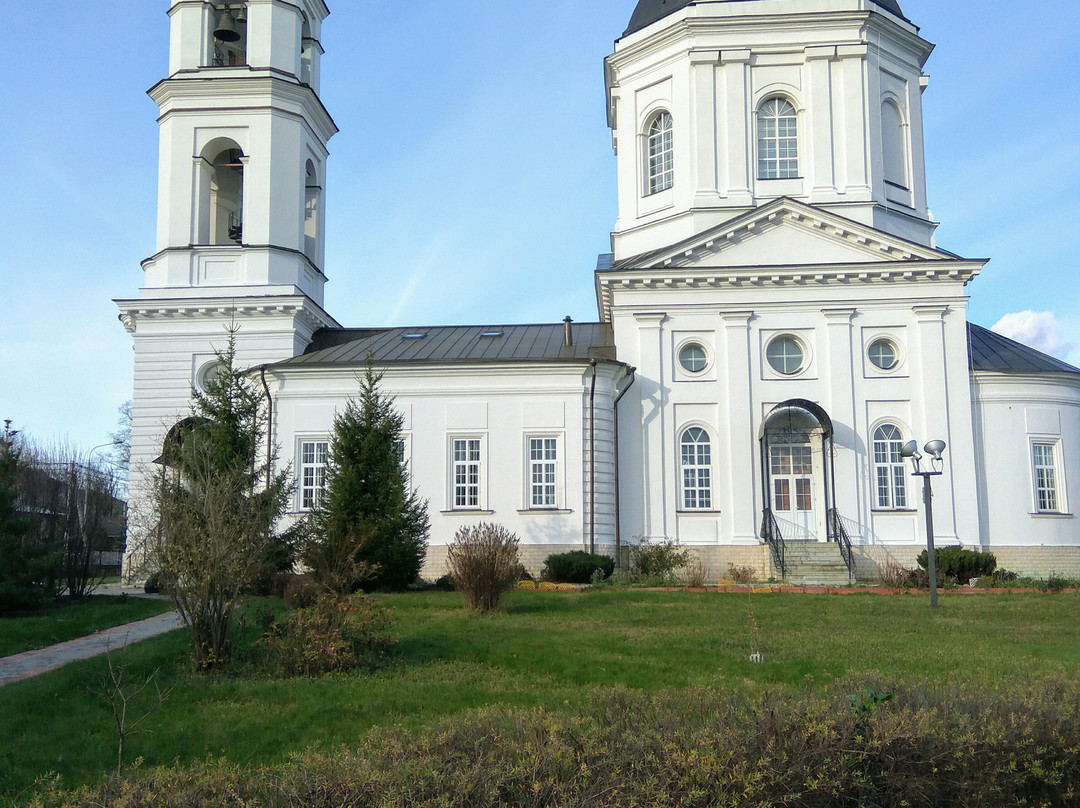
(483, 562)
(333, 634)
(894, 575)
(122, 694)
(742, 573)
(695, 573)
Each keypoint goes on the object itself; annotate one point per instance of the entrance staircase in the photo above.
(813, 563)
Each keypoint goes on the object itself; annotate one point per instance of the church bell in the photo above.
(226, 29)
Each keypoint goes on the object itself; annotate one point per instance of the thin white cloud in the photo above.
(1039, 329)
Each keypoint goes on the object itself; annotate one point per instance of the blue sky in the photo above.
(473, 179)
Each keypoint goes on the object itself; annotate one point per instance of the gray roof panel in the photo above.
(458, 343)
(649, 11)
(989, 351)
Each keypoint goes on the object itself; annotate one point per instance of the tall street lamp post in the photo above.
(934, 448)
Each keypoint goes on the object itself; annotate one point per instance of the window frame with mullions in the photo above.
(777, 139)
(311, 473)
(1047, 479)
(659, 153)
(466, 474)
(890, 472)
(695, 476)
(543, 482)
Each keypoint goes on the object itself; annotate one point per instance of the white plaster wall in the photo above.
(926, 396)
(1010, 411)
(500, 404)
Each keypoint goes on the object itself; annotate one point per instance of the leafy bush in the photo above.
(656, 562)
(576, 567)
(483, 562)
(892, 744)
(333, 634)
(960, 564)
(1002, 576)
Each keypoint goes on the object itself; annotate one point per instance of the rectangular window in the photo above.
(313, 459)
(1044, 466)
(465, 453)
(543, 468)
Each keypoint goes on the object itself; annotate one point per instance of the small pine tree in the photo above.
(216, 506)
(369, 521)
(28, 564)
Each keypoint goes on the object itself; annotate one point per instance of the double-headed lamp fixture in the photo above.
(933, 448)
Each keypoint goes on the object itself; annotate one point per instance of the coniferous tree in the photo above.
(216, 505)
(15, 575)
(369, 528)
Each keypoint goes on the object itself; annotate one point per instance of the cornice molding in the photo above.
(302, 308)
(914, 272)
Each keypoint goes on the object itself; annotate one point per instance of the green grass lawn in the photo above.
(551, 649)
(67, 620)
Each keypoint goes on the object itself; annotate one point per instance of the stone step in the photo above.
(815, 564)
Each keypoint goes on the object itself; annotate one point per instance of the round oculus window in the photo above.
(883, 354)
(207, 374)
(785, 355)
(693, 357)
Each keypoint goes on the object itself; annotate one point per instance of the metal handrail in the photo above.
(770, 532)
(839, 534)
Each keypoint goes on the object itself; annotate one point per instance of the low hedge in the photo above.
(862, 742)
(576, 567)
(960, 564)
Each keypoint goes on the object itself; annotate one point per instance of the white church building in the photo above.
(775, 319)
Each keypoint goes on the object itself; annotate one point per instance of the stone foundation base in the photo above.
(718, 559)
(1036, 562)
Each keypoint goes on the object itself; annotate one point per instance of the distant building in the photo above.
(775, 318)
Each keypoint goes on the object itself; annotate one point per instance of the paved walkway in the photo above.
(31, 663)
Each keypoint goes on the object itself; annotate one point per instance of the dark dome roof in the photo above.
(649, 11)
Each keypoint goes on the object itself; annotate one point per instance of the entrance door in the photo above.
(791, 470)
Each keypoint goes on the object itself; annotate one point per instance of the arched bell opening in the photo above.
(797, 474)
(312, 212)
(228, 39)
(219, 188)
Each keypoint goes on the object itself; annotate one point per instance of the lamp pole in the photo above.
(934, 448)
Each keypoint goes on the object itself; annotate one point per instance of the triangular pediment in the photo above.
(783, 233)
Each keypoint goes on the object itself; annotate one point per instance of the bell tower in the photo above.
(243, 152)
(240, 219)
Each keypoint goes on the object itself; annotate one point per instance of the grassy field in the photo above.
(551, 649)
(70, 619)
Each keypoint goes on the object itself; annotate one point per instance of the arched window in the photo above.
(894, 144)
(777, 140)
(696, 469)
(890, 474)
(661, 154)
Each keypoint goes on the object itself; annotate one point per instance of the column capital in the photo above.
(734, 319)
(930, 314)
(650, 318)
(838, 316)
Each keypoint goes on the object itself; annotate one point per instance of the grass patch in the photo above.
(67, 620)
(550, 650)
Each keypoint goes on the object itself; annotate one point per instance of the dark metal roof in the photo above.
(989, 351)
(458, 343)
(649, 11)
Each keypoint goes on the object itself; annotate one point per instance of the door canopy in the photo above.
(796, 414)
